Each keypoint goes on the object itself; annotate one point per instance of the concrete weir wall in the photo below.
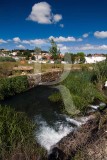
(43, 78)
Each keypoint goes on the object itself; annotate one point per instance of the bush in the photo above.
(100, 72)
(83, 91)
(16, 134)
(11, 86)
(7, 59)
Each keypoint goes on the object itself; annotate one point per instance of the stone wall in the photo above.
(43, 78)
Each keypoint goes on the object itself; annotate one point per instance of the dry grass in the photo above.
(6, 68)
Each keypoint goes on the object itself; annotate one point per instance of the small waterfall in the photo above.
(47, 136)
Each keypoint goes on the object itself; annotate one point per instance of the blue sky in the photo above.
(75, 25)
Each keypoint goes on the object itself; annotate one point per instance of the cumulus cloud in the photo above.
(86, 47)
(63, 48)
(16, 40)
(35, 42)
(65, 39)
(91, 47)
(2, 41)
(100, 34)
(85, 35)
(79, 40)
(20, 46)
(9, 40)
(42, 13)
(57, 17)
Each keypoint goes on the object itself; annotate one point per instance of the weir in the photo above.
(43, 78)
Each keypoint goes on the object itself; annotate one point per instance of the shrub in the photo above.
(11, 86)
(7, 59)
(83, 91)
(100, 72)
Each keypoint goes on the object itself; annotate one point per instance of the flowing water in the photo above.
(52, 125)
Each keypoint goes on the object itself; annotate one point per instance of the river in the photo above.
(52, 125)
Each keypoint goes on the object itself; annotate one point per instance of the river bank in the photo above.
(75, 145)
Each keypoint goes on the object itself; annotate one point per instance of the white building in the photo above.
(94, 59)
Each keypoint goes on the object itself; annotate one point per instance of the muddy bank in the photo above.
(69, 145)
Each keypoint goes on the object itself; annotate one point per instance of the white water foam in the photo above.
(47, 136)
(95, 107)
(73, 121)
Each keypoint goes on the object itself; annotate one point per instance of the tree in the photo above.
(70, 57)
(27, 54)
(106, 57)
(89, 55)
(54, 51)
(81, 56)
(73, 58)
(33, 57)
(37, 50)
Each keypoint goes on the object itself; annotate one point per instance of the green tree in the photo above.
(54, 51)
(33, 57)
(27, 54)
(106, 57)
(37, 50)
(70, 57)
(73, 58)
(81, 56)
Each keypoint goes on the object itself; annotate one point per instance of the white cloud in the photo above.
(61, 25)
(2, 41)
(91, 47)
(79, 40)
(63, 48)
(103, 47)
(60, 45)
(20, 46)
(100, 34)
(86, 47)
(16, 40)
(57, 17)
(63, 39)
(35, 42)
(85, 35)
(42, 13)
(9, 40)
(26, 41)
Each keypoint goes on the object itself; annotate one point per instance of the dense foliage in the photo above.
(100, 71)
(75, 58)
(13, 85)
(54, 51)
(83, 91)
(16, 135)
(83, 87)
(7, 59)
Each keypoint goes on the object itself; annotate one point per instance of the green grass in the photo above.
(82, 90)
(17, 135)
(12, 86)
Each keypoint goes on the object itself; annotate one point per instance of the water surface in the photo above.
(52, 125)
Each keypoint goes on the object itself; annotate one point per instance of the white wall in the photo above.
(94, 59)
